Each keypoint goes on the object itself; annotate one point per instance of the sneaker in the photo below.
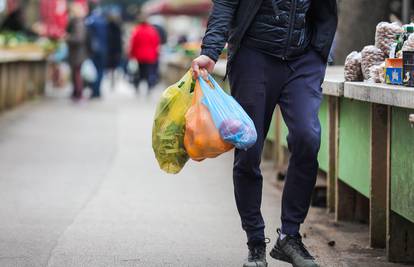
(292, 250)
(257, 255)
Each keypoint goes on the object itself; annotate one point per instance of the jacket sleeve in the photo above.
(218, 27)
(324, 17)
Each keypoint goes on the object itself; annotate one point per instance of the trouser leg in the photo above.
(250, 89)
(299, 102)
(152, 75)
(77, 81)
(96, 86)
(142, 73)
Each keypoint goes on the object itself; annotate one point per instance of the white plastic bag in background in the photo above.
(132, 66)
(88, 71)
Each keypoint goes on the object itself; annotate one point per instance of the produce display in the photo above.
(353, 69)
(169, 125)
(377, 73)
(370, 56)
(12, 39)
(385, 35)
(389, 61)
(18, 41)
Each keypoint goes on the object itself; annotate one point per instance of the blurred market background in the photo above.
(79, 183)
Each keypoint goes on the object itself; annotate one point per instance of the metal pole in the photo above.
(406, 11)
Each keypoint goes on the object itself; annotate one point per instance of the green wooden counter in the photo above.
(391, 152)
(355, 145)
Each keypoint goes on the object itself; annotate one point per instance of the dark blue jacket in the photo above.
(97, 34)
(280, 28)
(230, 20)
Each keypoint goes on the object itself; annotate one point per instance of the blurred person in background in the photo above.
(77, 44)
(278, 51)
(98, 46)
(114, 45)
(144, 47)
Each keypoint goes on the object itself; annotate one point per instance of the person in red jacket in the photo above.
(144, 48)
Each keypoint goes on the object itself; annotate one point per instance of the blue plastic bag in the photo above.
(235, 126)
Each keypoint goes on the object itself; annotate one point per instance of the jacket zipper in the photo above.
(292, 16)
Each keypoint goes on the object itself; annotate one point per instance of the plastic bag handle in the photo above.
(211, 83)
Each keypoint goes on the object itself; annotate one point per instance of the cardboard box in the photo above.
(394, 75)
(408, 68)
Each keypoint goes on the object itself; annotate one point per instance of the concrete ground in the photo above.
(79, 186)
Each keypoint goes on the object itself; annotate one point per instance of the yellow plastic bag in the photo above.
(202, 139)
(169, 125)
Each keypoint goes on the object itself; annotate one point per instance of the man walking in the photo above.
(98, 47)
(277, 56)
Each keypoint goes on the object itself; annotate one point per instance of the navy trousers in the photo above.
(99, 63)
(259, 82)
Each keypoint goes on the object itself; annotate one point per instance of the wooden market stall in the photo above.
(366, 152)
(22, 76)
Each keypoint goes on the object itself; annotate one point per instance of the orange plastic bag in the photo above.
(202, 139)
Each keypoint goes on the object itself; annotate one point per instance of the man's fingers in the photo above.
(196, 69)
(210, 68)
(204, 74)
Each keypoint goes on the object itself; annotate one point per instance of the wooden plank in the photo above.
(323, 155)
(3, 86)
(400, 185)
(332, 176)
(34, 80)
(402, 164)
(400, 239)
(354, 145)
(43, 77)
(333, 84)
(350, 205)
(392, 95)
(20, 82)
(361, 212)
(345, 202)
(11, 82)
(380, 169)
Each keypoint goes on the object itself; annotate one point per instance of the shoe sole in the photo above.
(279, 255)
(265, 264)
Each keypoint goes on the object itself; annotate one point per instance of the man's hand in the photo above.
(202, 65)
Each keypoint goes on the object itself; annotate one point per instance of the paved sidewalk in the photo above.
(79, 186)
